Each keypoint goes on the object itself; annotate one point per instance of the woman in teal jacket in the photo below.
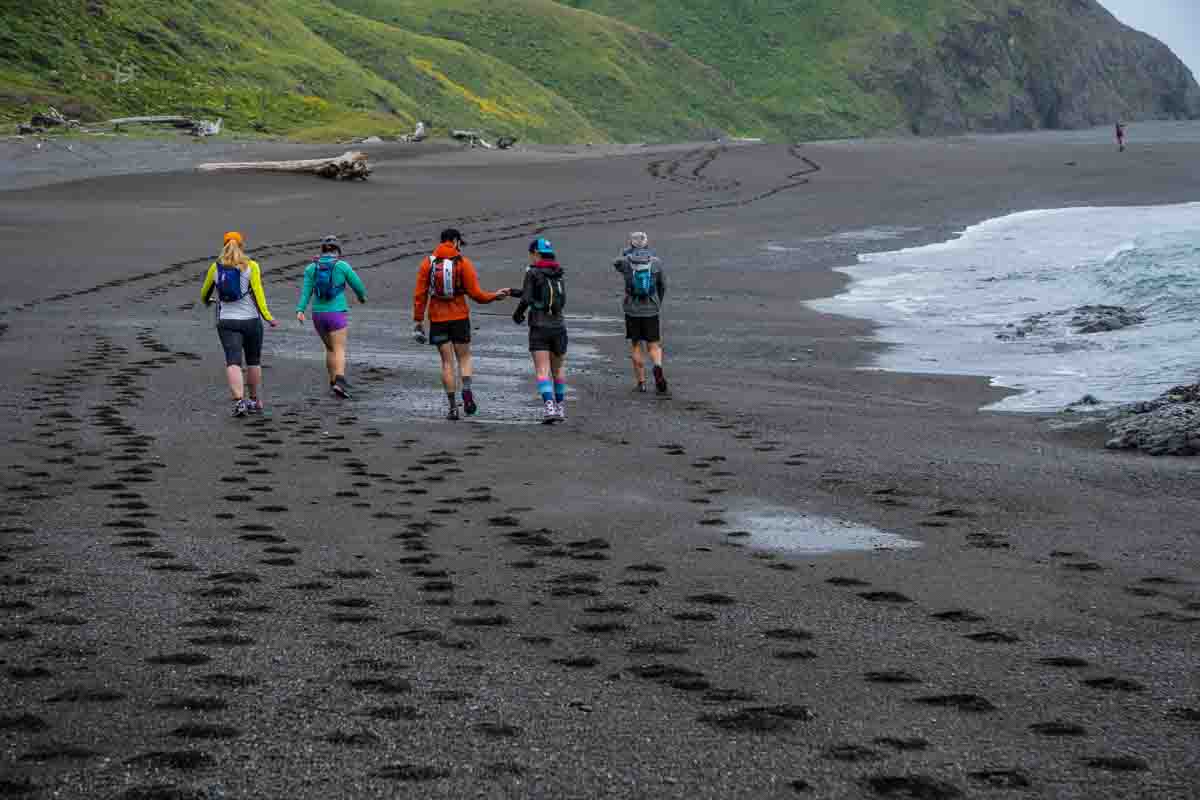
(325, 282)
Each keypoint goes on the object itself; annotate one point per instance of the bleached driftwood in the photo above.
(473, 138)
(351, 165)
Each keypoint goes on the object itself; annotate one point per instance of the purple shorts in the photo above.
(326, 322)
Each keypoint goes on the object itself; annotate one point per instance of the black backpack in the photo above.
(549, 293)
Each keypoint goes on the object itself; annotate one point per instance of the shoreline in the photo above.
(361, 597)
(910, 341)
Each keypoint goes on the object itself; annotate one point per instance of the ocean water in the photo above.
(945, 305)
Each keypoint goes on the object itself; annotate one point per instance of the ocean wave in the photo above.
(949, 303)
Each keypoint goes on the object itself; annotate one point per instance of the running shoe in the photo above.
(469, 403)
(560, 411)
(254, 406)
(340, 388)
(550, 414)
(641, 387)
(452, 414)
(239, 408)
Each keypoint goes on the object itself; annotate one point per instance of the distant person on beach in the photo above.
(325, 282)
(1120, 136)
(544, 295)
(645, 289)
(445, 280)
(241, 309)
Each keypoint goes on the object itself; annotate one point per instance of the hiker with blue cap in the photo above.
(543, 296)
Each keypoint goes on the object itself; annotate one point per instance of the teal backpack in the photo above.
(323, 286)
(641, 262)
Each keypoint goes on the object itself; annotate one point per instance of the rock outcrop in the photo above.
(1024, 66)
(1166, 426)
(1084, 320)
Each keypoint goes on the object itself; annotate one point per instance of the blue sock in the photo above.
(547, 390)
(560, 392)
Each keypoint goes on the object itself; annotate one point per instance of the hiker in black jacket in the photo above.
(543, 295)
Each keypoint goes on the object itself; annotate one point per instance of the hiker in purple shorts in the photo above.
(325, 282)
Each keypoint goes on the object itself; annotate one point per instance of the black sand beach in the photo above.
(363, 600)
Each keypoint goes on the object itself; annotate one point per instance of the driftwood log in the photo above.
(348, 166)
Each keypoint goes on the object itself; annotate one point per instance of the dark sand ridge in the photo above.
(347, 633)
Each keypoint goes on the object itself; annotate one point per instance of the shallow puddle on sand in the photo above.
(789, 531)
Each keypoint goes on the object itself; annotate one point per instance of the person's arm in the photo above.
(355, 282)
(210, 283)
(526, 295)
(421, 292)
(661, 278)
(620, 264)
(306, 290)
(256, 289)
(471, 284)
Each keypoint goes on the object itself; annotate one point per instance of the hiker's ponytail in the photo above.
(232, 255)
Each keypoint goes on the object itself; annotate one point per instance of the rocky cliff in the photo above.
(1065, 64)
(839, 67)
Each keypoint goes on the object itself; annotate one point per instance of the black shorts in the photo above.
(642, 329)
(240, 336)
(552, 340)
(456, 331)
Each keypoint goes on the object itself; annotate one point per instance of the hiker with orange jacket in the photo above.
(444, 281)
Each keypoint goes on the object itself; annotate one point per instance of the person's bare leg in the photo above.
(656, 356)
(656, 353)
(337, 353)
(233, 374)
(462, 352)
(466, 370)
(330, 364)
(254, 382)
(446, 352)
(541, 365)
(639, 363)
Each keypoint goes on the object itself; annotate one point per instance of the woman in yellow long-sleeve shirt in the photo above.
(241, 308)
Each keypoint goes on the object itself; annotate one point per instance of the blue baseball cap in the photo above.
(542, 247)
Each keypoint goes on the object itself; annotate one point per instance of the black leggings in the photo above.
(238, 335)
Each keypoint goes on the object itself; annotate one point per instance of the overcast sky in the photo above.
(1176, 22)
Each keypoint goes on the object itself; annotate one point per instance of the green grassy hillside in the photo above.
(316, 69)
(591, 70)
(837, 67)
(795, 59)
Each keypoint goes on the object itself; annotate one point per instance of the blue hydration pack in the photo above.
(641, 262)
(229, 283)
(323, 286)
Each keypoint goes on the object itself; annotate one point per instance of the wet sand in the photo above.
(363, 600)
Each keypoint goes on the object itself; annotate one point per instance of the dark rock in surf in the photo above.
(1166, 426)
(1101, 319)
(1082, 320)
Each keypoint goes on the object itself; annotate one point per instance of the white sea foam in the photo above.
(945, 304)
